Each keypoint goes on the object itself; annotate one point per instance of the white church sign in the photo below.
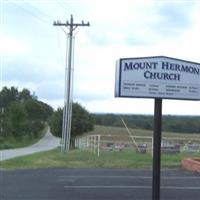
(157, 77)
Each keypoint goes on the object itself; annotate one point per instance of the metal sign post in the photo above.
(156, 149)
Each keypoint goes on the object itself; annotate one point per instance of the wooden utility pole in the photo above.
(67, 111)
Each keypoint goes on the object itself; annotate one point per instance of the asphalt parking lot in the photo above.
(96, 184)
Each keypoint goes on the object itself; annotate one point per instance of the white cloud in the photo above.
(12, 46)
(121, 105)
(52, 90)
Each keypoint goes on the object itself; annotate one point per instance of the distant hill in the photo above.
(170, 123)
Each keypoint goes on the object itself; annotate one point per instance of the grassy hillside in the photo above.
(117, 131)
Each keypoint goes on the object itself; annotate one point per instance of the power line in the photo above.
(30, 13)
(61, 5)
(67, 112)
(59, 48)
(41, 12)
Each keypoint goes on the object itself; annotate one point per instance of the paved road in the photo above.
(96, 184)
(48, 142)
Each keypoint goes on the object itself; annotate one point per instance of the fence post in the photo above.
(99, 140)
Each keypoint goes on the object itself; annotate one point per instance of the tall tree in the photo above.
(8, 95)
(34, 109)
(25, 95)
(55, 122)
(17, 116)
(82, 122)
(21, 113)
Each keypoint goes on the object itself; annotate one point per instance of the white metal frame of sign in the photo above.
(157, 77)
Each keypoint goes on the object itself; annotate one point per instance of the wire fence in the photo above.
(141, 144)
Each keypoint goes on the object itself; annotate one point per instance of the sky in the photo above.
(33, 51)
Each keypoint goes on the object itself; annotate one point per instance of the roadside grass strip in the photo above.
(85, 159)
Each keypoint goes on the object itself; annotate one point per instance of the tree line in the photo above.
(23, 116)
(170, 123)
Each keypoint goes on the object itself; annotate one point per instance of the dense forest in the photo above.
(22, 115)
(170, 123)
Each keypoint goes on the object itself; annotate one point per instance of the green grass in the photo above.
(86, 159)
(11, 142)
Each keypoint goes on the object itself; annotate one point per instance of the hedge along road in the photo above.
(48, 142)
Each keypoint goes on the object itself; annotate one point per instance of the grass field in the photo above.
(86, 159)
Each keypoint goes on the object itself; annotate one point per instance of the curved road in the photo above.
(48, 142)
